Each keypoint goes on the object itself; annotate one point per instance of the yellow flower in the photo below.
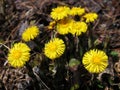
(78, 27)
(18, 55)
(51, 25)
(90, 17)
(95, 61)
(77, 11)
(54, 48)
(30, 33)
(64, 25)
(60, 12)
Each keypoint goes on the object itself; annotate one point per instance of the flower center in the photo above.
(53, 47)
(96, 60)
(60, 10)
(17, 54)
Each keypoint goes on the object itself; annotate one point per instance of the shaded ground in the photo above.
(15, 15)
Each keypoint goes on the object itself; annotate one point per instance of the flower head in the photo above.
(78, 27)
(18, 55)
(30, 33)
(51, 25)
(77, 11)
(54, 48)
(60, 12)
(95, 61)
(64, 25)
(90, 17)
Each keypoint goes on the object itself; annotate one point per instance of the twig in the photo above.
(4, 46)
(39, 79)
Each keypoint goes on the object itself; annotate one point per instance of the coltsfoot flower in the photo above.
(54, 48)
(60, 12)
(78, 27)
(51, 25)
(18, 55)
(77, 11)
(64, 25)
(90, 17)
(30, 33)
(95, 61)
